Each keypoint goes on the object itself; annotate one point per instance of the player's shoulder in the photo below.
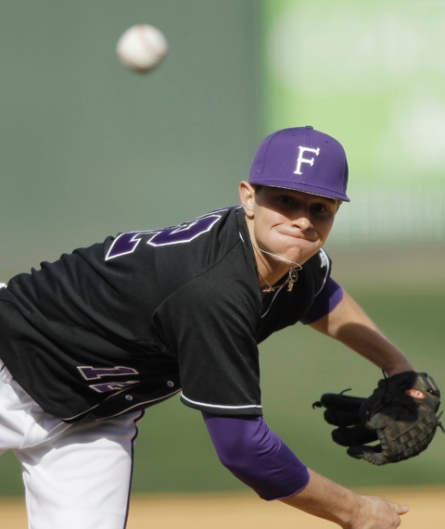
(221, 265)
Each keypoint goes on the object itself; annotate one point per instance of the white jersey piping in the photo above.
(221, 407)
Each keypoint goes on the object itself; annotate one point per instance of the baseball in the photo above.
(141, 48)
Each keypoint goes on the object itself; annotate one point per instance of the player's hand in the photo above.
(374, 512)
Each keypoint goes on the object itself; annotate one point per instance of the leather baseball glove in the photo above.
(398, 421)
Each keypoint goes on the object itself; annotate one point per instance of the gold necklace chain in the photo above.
(291, 279)
(292, 276)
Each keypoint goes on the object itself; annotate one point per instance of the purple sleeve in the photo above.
(256, 456)
(325, 302)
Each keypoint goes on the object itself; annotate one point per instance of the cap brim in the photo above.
(310, 190)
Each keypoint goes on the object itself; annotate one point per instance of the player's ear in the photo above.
(247, 196)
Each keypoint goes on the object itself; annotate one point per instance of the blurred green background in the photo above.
(90, 149)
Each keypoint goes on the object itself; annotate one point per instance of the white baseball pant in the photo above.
(75, 476)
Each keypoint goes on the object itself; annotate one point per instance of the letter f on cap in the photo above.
(301, 159)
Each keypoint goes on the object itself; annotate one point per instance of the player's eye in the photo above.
(286, 200)
(319, 208)
(324, 209)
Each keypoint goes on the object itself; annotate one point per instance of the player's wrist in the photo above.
(352, 517)
(397, 371)
(400, 366)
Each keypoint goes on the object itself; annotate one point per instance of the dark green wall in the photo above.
(89, 149)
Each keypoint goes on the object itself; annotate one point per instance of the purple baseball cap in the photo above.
(302, 159)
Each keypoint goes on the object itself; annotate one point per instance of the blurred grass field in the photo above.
(404, 292)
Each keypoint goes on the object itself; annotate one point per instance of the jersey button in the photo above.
(128, 397)
(170, 383)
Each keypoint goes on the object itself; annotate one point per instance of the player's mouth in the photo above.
(300, 237)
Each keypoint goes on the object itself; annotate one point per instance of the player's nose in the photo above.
(302, 221)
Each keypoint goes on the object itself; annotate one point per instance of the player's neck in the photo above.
(270, 268)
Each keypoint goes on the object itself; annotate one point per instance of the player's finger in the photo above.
(340, 401)
(358, 435)
(400, 509)
(371, 454)
(341, 417)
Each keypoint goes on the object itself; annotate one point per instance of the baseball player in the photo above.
(91, 340)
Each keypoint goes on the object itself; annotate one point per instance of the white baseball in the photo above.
(141, 48)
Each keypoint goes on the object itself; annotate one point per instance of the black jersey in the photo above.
(129, 322)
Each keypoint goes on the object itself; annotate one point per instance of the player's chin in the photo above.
(295, 249)
(303, 254)
(306, 248)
